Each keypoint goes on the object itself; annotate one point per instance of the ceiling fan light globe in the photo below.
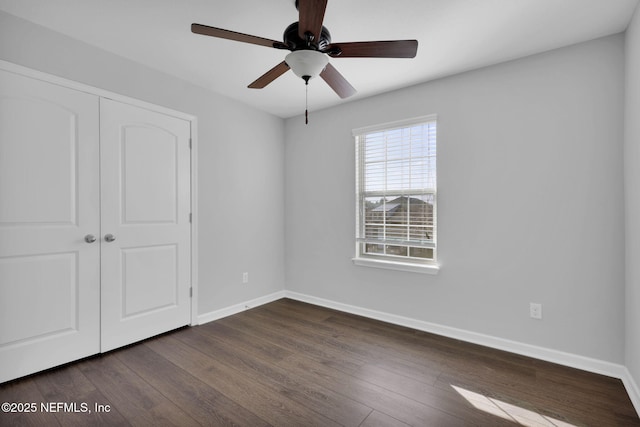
(307, 63)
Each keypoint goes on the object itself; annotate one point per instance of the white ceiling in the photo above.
(453, 36)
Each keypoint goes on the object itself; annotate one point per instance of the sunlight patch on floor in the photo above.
(508, 411)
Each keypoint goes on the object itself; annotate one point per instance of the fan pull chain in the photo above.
(306, 102)
(306, 98)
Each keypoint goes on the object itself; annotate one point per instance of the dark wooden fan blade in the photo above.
(232, 35)
(270, 76)
(337, 82)
(310, 17)
(380, 49)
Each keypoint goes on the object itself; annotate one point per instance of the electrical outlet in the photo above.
(245, 277)
(535, 310)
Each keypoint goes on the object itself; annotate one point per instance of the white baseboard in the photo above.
(562, 358)
(632, 389)
(237, 308)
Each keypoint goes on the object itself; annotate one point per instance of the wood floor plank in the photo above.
(418, 389)
(24, 392)
(265, 350)
(64, 384)
(423, 348)
(378, 419)
(205, 404)
(319, 333)
(293, 364)
(346, 342)
(402, 355)
(247, 356)
(564, 405)
(302, 310)
(279, 332)
(69, 385)
(266, 402)
(134, 398)
(395, 353)
(379, 398)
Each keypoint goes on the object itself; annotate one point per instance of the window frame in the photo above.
(402, 263)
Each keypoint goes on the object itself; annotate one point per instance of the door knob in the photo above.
(89, 238)
(109, 237)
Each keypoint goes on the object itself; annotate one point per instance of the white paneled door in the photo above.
(49, 218)
(145, 192)
(95, 231)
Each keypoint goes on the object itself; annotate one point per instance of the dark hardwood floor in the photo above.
(292, 364)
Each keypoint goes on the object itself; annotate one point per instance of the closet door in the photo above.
(49, 211)
(146, 260)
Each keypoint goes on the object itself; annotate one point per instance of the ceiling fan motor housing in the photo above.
(293, 40)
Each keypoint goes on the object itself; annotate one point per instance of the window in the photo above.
(396, 195)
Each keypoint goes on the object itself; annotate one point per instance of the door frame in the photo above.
(193, 120)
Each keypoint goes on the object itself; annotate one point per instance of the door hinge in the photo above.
(190, 292)
(190, 143)
(190, 217)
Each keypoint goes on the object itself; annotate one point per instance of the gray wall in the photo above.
(240, 163)
(530, 202)
(632, 197)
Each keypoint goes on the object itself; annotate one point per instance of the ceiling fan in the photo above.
(310, 45)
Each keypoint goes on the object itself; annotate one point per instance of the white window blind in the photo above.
(396, 191)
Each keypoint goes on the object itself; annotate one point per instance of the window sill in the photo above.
(400, 266)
